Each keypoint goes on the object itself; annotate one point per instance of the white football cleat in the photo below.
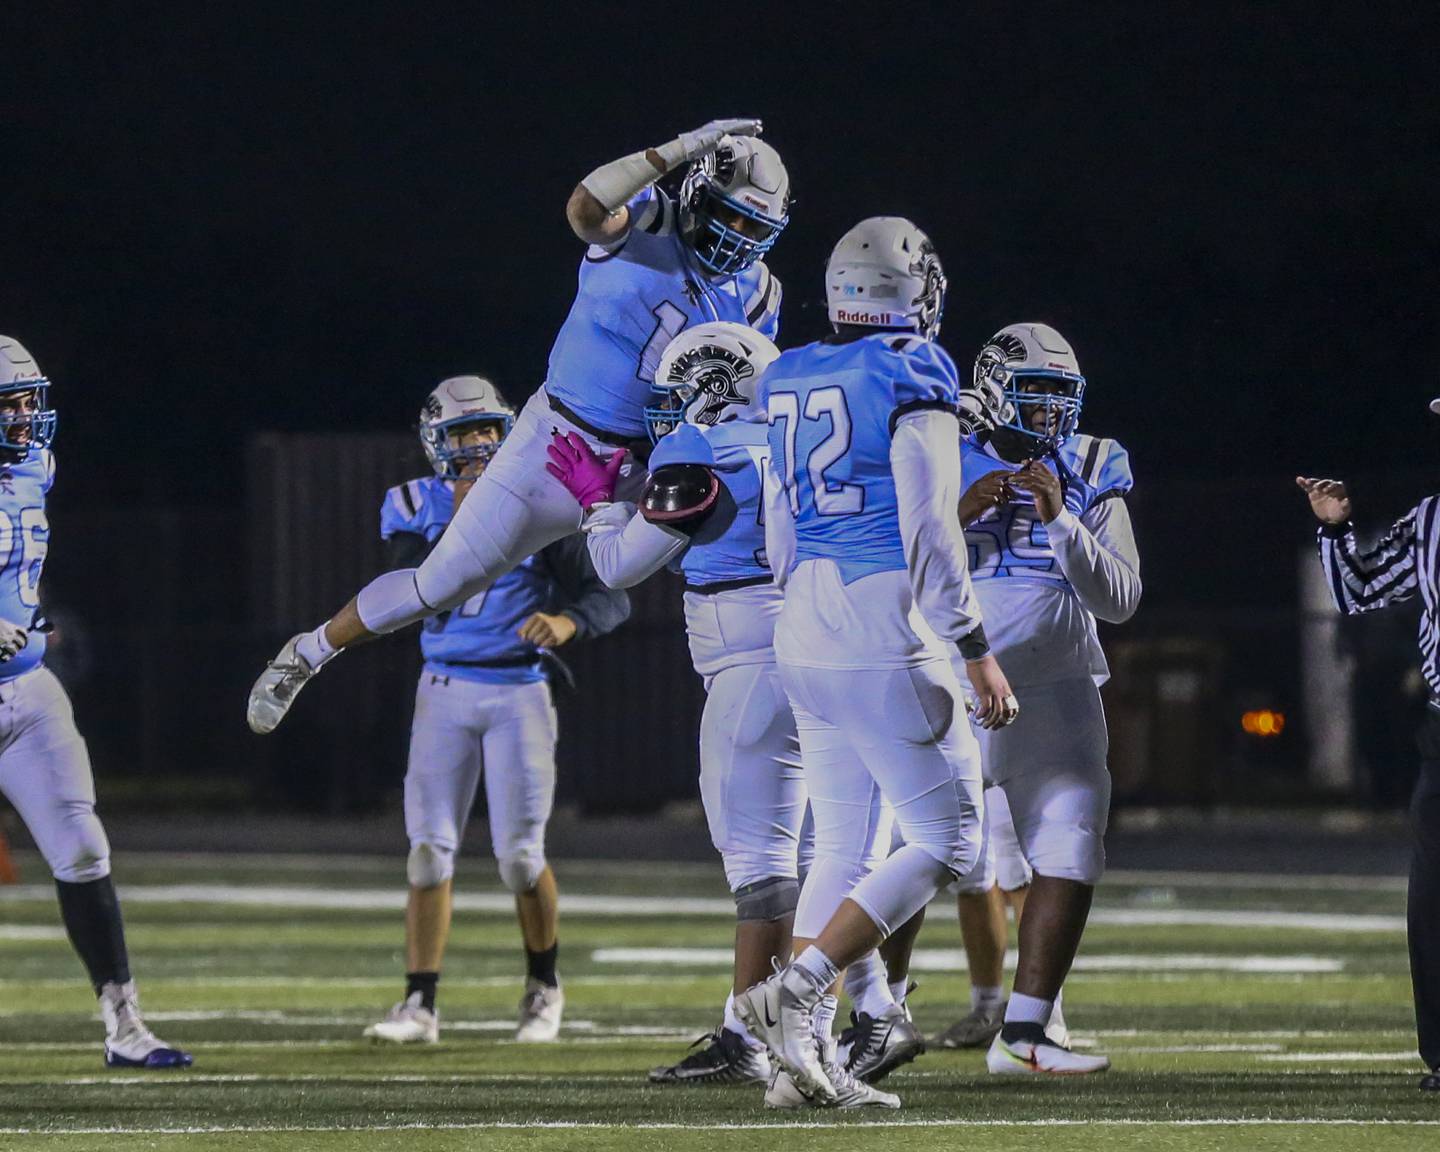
(1028, 1058)
(778, 1012)
(409, 1022)
(128, 1043)
(277, 687)
(849, 1092)
(540, 1010)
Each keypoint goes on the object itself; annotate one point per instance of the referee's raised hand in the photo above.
(1328, 499)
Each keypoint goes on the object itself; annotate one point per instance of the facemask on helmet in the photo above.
(456, 407)
(708, 375)
(27, 422)
(735, 202)
(1034, 371)
(885, 273)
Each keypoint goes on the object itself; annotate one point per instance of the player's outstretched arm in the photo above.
(1361, 581)
(597, 209)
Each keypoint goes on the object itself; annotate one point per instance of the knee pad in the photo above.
(1077, 855)
(429, 865)
(391, 601)
(521, 872)
(87, 852)
(772, 899)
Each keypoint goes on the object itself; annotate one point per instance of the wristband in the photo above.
(973, 645)
(616, 183)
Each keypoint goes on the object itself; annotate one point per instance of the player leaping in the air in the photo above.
(44, 764)
(700, 513)
(654, 267)
(483, 712)
(861, 532)
(1051, 549)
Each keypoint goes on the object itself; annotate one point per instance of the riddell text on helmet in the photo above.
(861, 316)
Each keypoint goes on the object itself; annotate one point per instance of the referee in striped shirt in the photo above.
(1403, 564)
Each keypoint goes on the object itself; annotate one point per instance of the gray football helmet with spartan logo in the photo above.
(708, 375)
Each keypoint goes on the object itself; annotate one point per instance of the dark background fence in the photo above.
(160, 652)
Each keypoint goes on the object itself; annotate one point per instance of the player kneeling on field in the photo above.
(44, 764)
(483, 710)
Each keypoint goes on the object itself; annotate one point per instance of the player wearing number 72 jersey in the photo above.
(483, 712)
(655, 266)
(861, 533)
(44, 764)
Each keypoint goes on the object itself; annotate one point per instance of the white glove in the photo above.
(703, 141)
(13, 638)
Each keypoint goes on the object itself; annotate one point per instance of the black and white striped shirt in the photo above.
(1403, 563)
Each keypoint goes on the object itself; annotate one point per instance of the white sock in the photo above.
(822, 1017)
(899, 990)
(818, 967)
(984, 998)
(733, 1023)
(1024, 1009)
(314, 648)
(866, 987)
(1057, 1012)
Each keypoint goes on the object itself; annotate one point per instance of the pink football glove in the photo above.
(588, 478)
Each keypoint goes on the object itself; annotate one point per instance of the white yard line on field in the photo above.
(393, 900)
(30, 932)
(953, 960)
(1339, 1057)
(643, 1126)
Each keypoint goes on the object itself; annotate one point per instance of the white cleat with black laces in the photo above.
(540, 1010)
(277, 687)
(1029, 1052)
(874, 1046)
(779, 1013)
(725, 1059)
(849, 1092)
(409, 1022)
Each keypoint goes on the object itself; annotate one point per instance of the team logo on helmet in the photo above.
(708, 379)
(1002, 349)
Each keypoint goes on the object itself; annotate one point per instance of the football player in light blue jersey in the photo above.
(1051, 549)
(44, 764)
(863, 481)
(699, 514)
(655, 266)
(483, 711)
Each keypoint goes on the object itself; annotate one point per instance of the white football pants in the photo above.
(1051, 765)
(515, 509)
(45, 774)
(465, 731)
(751, 782)
(1001, 860)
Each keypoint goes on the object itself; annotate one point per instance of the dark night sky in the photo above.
(222, 218)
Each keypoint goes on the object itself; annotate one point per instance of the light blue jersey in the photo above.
(1011, 541)
(832, 409)
(484, 627)
(730, 545)
(24, 540)
(633, 299)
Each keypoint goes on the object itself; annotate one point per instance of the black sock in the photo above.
(92, 921)
(1025, 1031)
(423, 983)
(541, 965)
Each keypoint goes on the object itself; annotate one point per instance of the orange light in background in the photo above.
(1263, 723)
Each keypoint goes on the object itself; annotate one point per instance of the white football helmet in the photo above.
(23, 431)
(708, 375)
(1025, 368)
(454, 405)
(734, 202)
(884, 273)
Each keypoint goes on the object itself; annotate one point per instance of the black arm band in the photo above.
(973, 645)
(1336, 531)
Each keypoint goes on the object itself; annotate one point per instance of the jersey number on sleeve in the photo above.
(832, 497)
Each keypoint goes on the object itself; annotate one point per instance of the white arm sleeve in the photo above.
(1098, 556)
(625, 547)
(925, 460)
(779, 529)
